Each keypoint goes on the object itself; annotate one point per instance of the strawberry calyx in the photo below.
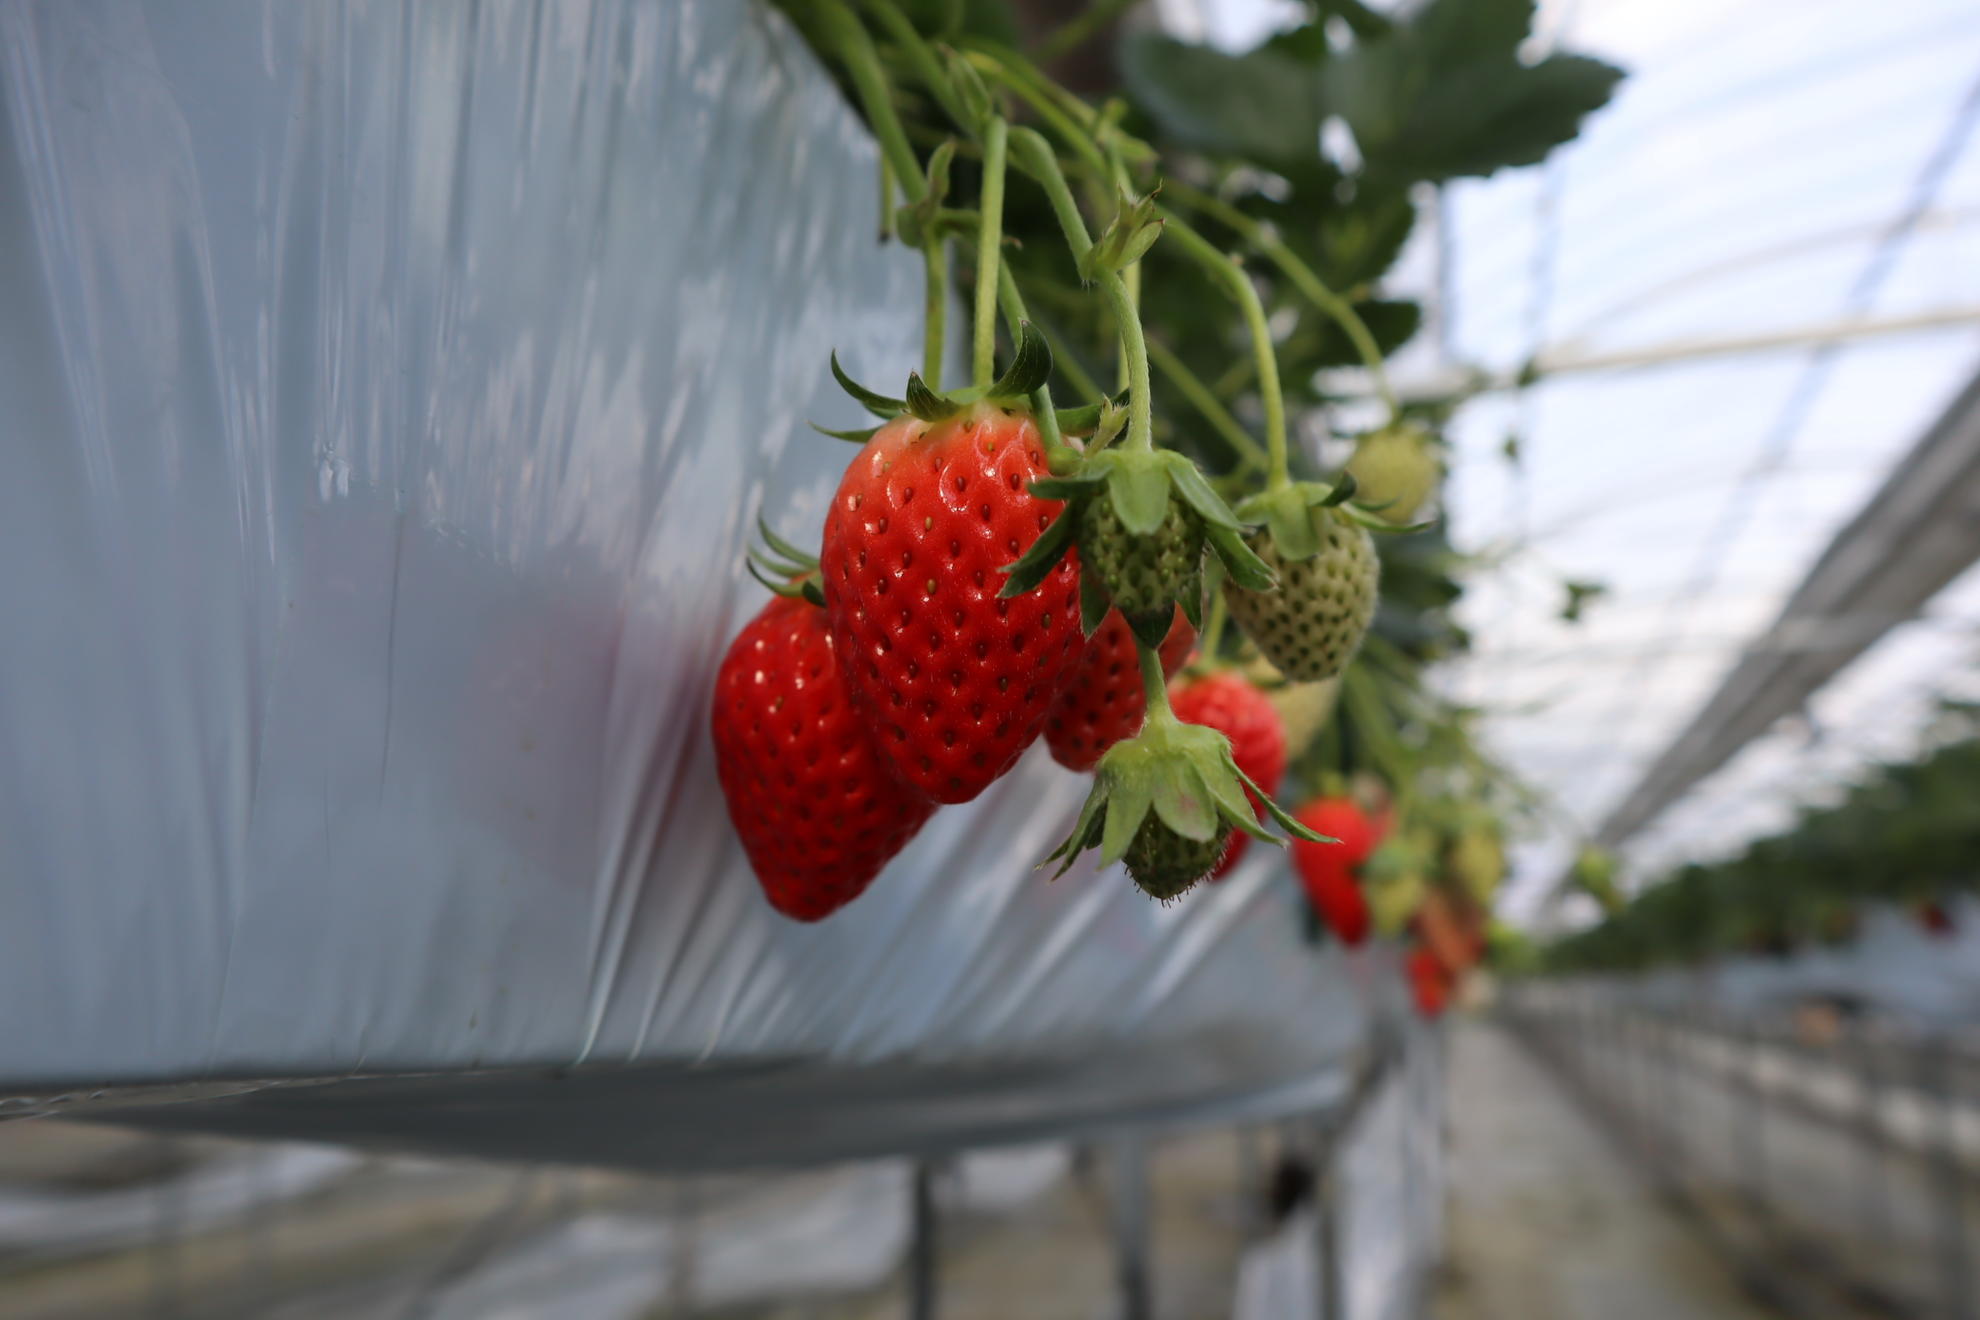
(1141, 543)
(1170, 783)
(786, 570)
(1029, 369)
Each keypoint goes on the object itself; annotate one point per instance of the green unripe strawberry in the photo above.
(1395, 469)
(1165, 863)
(1144, 575)
(1313, 624)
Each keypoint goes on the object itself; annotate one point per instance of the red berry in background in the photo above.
(819, 810)
(1230, 704)
(955, 681)
(1343, 818)
(1429, 984)
(1102, 702)
(1934, 918)
(1334, 892)
(1445, 934)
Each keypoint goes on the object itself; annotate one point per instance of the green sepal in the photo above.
(1197, 493)
(1138, 484)
(926, 403)
(1069, 487)
(1113, 420)
(1086, 831)
(1150, 629)
(1192, 606)
(1288, 515)
(1084, 419)
(1182, 798)
(783, 547)
(806, 586)
(777, 568)
(1029, 369)
(1279, 813)
(1137, 223)
(1127, 806)
(1240, 560)
(858, 437)
(877, 404)
(1342, 492)
(1360, 517)
(1036, 563)
(1093, 603)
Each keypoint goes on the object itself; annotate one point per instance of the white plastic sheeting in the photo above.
(389, 392)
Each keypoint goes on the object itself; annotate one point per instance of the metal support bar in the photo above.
(921, 1255)
(1131, 1257)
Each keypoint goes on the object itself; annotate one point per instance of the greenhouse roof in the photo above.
(1756, 282)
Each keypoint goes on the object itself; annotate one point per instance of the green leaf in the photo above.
(1030, 368)
(926, 403)
(1265, 105)
(1446, 95)
(1037, 563)
(1356, 243)
(1240, 561)
(1140, 492)
(877, 404)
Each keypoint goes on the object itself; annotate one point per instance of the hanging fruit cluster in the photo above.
(995, 565)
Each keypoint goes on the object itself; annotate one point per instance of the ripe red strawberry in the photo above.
(819, 810)
(1228, 703)
(1327, 870)
(1102, 702)
(956, 681)
(1429, 984)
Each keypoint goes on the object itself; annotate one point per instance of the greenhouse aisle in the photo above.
(1546, 1220)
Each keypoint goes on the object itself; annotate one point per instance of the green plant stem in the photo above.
(1213, 628)
(1154, 688)
(1131, 277)
(1309, 284)
(935, 257)
(1060, 457)
(1035, 157)
(989, 250)
(921, 58)
(886, 200)
(870, 80)
(1076, 32)
(1220, 265)
(1048, 110)
(1141, 411)
(1192, 388)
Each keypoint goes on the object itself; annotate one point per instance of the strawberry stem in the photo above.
(1141, 413)
(1154, 688)
(1332, 304)
(870, 81)
(989, 250)
(1060, 457)
(1220, 265)
(935, 257)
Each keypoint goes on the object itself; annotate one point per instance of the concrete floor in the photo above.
(1546, 1220)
